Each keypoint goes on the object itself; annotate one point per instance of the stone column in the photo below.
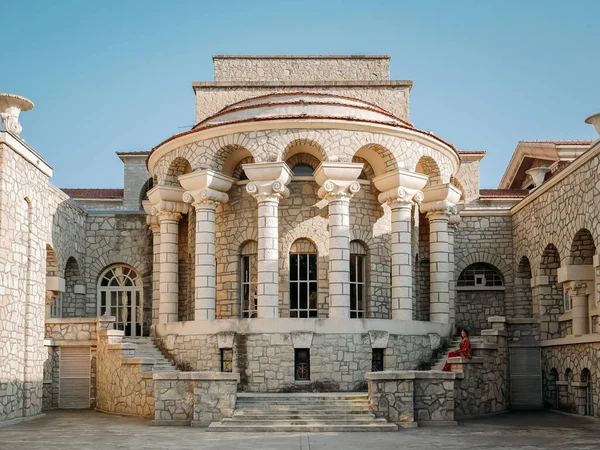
(168, 214)
(438, 204)
(338, 185)
(579, 298)
(268, 185)
(452, 226)
(400, 189)
(154, 225)
(206, 190)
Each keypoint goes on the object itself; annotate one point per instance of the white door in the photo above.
(74, 377)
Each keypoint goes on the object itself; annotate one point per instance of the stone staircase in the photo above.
(147, 350)
(438, 364)
(327, 412)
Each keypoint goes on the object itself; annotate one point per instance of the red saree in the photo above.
(464, 351)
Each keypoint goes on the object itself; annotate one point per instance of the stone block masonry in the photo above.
(194, 398)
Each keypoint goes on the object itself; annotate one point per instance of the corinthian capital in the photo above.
(267, 190)
(440, 200)
(332, 189)
(400, 186)
(400, 195)
(153, 223)
(205, 188)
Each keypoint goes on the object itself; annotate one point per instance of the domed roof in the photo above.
(301, 106)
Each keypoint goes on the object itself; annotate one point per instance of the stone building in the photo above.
(303, 233)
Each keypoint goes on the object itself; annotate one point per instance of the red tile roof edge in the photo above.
(471, 152)
(82, 193)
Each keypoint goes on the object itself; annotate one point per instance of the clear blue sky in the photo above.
(111, 76)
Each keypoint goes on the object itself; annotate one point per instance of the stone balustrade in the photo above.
(194, 398)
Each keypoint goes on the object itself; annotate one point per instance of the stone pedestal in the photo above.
(338, 185)
(268, 186)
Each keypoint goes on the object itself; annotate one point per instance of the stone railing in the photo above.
(194, 398)
(411, 397)
(84, 330)
(124, 384)
(482, 382)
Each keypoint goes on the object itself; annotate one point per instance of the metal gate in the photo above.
(525, 377)
(74, 377)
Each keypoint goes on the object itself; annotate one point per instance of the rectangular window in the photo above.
(377, 361)
(249, 295)
(357, 286)
(226, 360)
(566, 299)
(303, 285)
(56, 306)
(302, 364)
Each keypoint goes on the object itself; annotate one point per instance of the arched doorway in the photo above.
(120, 295)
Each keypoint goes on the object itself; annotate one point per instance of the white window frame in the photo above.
(298, 312)
(480, 280)
(121, 292)
(356, 313)
(249, 283)
(56, 306)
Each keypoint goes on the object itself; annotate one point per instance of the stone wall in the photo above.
(570, 361)
(24, 219)
(124, 384)
(474, 307)
(468, 179)
(135, 178)
(196, 398)
(265, 362)
(410, 397)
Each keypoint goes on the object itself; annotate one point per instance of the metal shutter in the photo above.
(74, 383)
(525, 377)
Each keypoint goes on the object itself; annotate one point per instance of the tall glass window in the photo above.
(249, 275)
(303, 279)
(357, 280)
(120, 295)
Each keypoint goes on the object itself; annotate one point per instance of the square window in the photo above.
(226, 360)
(377, 361)
(302, 364)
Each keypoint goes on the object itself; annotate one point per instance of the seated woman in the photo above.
(464, 350)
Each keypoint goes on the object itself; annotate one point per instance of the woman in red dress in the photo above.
(464, 350)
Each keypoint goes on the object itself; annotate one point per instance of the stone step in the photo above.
(305, 420)
(313, 417)
(243, 401)
(304, 395)
(316, 427)
(323, 410)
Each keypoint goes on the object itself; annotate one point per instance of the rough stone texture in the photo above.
(199, 398)
(474, 307)
(136, 181)
(467, 180)
(124, 384)
(298, 68)
(266, 361)
(24, 219)
(569, 362)
(404, 397)
(483, 387)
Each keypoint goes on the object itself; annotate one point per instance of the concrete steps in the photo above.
(335, 412)
(147, 350)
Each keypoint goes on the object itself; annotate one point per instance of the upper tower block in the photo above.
(241, 77)
(288, 68)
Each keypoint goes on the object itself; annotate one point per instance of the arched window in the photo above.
(358, 283)
(480, 276)
(249, 272)
(120, 295)
(303, 279)
(586, 380)
(302, 170)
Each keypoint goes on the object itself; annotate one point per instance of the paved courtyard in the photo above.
(70, 430)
